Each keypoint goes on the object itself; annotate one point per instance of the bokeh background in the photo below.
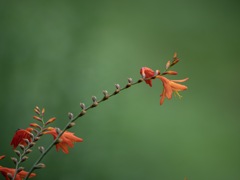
(56, 54)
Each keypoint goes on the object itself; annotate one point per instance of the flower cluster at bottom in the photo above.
(27, 138)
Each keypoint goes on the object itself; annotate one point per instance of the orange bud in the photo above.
(50, 120)
(168, 64)
(35, 125)
(171, 72)
(43, 111)
(37, 111)
(37, 118)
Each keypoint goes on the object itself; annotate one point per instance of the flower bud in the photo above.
(70, 115)
(168, 64)
(106, 95)
(41, 149)
(39, 166)
(15, 161)
(37, 118)
(24, 158)
(82, 105)
(43, 111)
(58, 131)
(95, 103)
(129, 82)
(50, 120)
(118, 88)
(17, 152)
(28, 151)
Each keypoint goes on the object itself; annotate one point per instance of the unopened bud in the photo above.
(168, 64)
(106, 95)
(14, 160)
(37, 118)
(35, 125)
(95, 103)
(129, 82)
(50, 120)
(26, 141)
(43, 111)
(70, 115)
(39, 166)
(22, 146)
(28, 151)
(58, 131)
(24, 158)
(118, 88)
(17, 152)
(41, 149)
(157, 72)
(32, 144)
(82, 105)
(36, 138)
(37, 111)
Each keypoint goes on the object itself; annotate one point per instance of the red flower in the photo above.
(147, 73)
(21, 175)
(66, 140)
(19, 137)
(170, 86)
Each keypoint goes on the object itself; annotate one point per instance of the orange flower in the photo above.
(21, 175)
(19, 137)
(66, 140)
(170, 86)
(147, 73)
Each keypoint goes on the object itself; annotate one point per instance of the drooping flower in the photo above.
(19, 137)
(170, 86)
(65, 141)
(147, 73)
(21, 175)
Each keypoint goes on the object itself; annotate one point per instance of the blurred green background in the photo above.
(56, 54)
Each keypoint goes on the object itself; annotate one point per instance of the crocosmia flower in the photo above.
(66, 140)
(21, 175)
(19, 137)
(170, 86)
(147, 73)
